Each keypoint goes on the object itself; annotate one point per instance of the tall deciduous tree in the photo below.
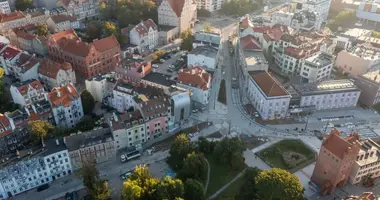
(90, 174)
(169, 188)
(187, 40)
(230, 151)
(94, 30)
(278, 184)
(194, 167)
(194, 190)
(179, 150)
(345, 19)
(88, 102)
(39, 129)
(24, 4)
(42, 30)
(101, 191)
(248, 189)
(207, 28)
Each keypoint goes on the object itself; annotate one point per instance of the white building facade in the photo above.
(317, 6)
(203, 56)
(27, 93)
(144, 35)
(210, 5)
(182, 14)
(318, 67)
(122, 97)
(101, 87)
(53, 74)
(198, 81)
(4, 7)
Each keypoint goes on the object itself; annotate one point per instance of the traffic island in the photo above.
(290, 155)
(222, 97)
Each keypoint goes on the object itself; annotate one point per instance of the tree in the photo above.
(5, 103)
(90, 175)
(205, 146)
(2, 72)
(230, 151)
(42, 30)
(179, 150)
(278, 184)
(194, 190)
(248, 189)
(88, 102)
(87, 124)
(24, 4)
(39, 129)
(158, 54)
(187, 40)
(194, 167)
(101, 191)
(169, 188)
(207, 28)
(345, 19)
(94, 30)
(375, 34)
(110, 28)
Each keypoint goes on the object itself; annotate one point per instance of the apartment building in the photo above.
(328, 94)
(203, 56)
(251, 54)
(335, 160)
(267, 95)
(66, 106)
(19, 64)
(202, 38)
(128, 129)
(317, 6)
(122, 96)
(81, 9)
(369, 84)
(11, 20)
(133, 70)
(88, 59)
(156, 112)
(361, 58)
(144, 35)
(4, 7)
(53, 74)
(177, 13)
(25, 93)
(291, 50)
(101, 86)
(51, 164)
(367, 162)
(347, 39)
(59, 23)
(198, 81)
(97, 145)
(210, 5)
(25, 39)
(317, 68)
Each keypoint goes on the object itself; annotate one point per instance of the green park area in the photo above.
(290, 155)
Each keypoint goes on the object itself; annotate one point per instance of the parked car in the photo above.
(155, 66)
(126, 175)
(43, 187)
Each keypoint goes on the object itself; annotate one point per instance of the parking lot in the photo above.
(164, 67)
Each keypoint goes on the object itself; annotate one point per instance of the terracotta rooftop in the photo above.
(268, 84)
(25, 35)
(261, 29)
(245, 23)
(143, 27)
(275, 32)
(63, 96)
(106, 44)
(4, 124)
(121, 121)
(50, 68)
(10, 52)
(337, 145)
(195, 77)
(26, 61)
(250, 43)
(177, 6)
(64, 34)
(11, 16)
(23, 88)
(364, 196)
(154, 106)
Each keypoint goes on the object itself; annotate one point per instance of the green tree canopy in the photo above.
(240, 7)
(42, 30)
(101, 191)
(2, 72)
(194, 190)
(248, 189)
(88, 102)
(179, 150)
(94, 30)
(39, 129)
(187, 40)
(194, 167)
(90, 175)
(5, 103)
(205, 146)
(345, 19)
(207, 28)
(24, 4)
(169, 188)
(278, 184)
(230, 151)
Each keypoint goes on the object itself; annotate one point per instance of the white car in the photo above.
(171, 67)
(155, 66)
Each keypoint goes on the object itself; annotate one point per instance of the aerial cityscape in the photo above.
(189, 100)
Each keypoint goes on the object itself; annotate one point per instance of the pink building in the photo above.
(133, 70)
(155, 112)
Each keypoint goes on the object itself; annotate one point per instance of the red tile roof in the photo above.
(10, 52)
(23, 89)
(250, 43)
(26, 61)
(261, 29)
(154, 107)
(11, 16)
(25, 35)
(106, 44)
(50, 68)
(364, 196)
(268, 84)
(177, 6)
(63, 96)
(64, 34)
(76, 47)
(150, 24)
(275, 32)
(337, 145)
(4, 124)
(195, 77)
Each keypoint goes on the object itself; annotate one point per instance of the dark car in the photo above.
(42, 187)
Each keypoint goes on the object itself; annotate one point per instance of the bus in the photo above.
(130, 155)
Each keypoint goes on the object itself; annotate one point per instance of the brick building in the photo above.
(335, 161)
(88, 59)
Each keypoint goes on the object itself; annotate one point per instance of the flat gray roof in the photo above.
(326, 87)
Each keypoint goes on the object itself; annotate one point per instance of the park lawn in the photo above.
(222, 96)
(232, 190)
(219, 175)
(273, 158)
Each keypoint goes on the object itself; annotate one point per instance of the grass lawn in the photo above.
(219, 175)
(273, 157)
(376, 107)
(222, 96)
(231, 191)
